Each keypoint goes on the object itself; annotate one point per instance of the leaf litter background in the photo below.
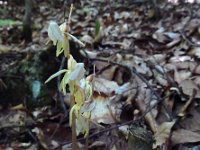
(145, 62)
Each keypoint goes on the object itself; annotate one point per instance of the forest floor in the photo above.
(145, 59)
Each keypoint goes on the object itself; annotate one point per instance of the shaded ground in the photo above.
(146, 61)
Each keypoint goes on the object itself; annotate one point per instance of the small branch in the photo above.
(188, 40)
(58, 126)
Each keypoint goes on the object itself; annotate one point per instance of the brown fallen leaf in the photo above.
(195, 51)
(40, 136)
(5, 48)
(192, 122)
(182, 75)
(188, 86)
(163, 133)
(18, 107)
(105, 110)
(105, 86)
(182, 136)
(183, 112)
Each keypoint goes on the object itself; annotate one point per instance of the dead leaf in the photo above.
(87, 39)
(105, 86)
(192, 120)
(40, 136)
(163, 133)
(5, 48)
(18, 107)
(182, 136)
(195, 51)
(188, 86)
(180, 59)
(182, 75)
(88, 54)
(105, 110)
(183, 112)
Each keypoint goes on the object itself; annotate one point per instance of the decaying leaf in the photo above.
(195, 51)
(5, 48)
(163, 133)
(41, 137)
(182, 136)
(188, 86)
(105, 110)
(105, 86)
(180, 76)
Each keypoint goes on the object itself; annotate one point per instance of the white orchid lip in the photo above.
(55, 33)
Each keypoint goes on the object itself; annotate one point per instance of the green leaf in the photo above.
(9, 22)
(66, 46)
(97, 28)
(63, 83)
(75, 39)
(59, 49)
(56, 74)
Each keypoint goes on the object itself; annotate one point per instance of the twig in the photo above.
(58, 126)
(188, 40)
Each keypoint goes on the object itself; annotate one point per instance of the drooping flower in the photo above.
(59, 37)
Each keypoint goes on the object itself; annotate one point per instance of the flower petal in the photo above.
(77, 72)
(54, 33)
